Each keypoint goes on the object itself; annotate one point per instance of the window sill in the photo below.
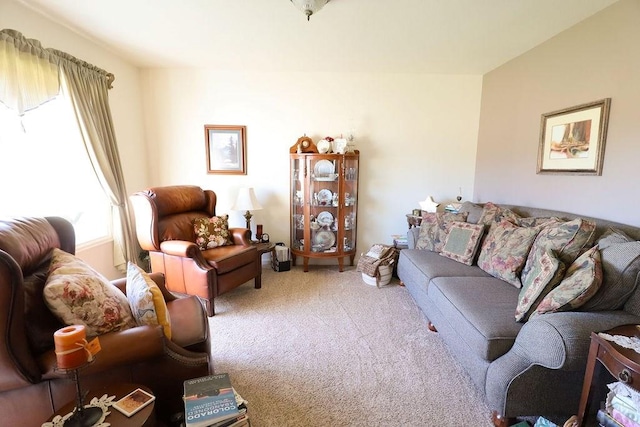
(91, 244)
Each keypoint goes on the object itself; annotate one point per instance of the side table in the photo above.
(414, 220)
(143, 418)
(263, 248)
(622, 363)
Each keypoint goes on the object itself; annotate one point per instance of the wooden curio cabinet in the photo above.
(324, 206)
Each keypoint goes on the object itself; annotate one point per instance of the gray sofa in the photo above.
(523, 369)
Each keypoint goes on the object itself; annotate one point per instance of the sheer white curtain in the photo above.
(31, 75)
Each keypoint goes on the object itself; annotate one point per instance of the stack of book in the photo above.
(606, 420)
(211, 401)
(453, 207)
(622, 407)
(400, 240)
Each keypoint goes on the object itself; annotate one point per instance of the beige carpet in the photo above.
(324, 349)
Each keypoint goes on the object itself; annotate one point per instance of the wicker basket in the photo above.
(383, 278)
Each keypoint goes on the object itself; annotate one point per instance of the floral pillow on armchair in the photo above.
(212, 232)
(77, 294)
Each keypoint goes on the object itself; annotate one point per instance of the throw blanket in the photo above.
(378, 255)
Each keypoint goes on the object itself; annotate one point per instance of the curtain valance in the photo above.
(30, 74)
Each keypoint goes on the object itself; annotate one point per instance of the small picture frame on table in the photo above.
(417, 212)
(134, 402)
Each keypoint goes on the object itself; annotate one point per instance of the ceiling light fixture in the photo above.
(309, 7)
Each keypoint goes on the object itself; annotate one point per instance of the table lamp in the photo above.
(248, 202)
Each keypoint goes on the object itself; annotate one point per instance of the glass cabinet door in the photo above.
(324, 203)
(297, 198)
(349, 203)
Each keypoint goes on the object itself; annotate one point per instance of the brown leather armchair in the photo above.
(164, 225)
(31, 390)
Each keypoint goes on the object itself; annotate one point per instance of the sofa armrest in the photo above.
(130, 346)
(412, 237)
(554, 341)
(566, 336)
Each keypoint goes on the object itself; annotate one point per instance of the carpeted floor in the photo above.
(324, 349)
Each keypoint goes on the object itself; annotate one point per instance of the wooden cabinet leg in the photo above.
(352, 258)
(306, 264)
(341, 264)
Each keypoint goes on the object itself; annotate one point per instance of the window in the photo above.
(45, 170)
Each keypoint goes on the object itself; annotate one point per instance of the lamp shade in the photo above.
(246, 200)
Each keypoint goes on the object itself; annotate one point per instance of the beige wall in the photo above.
(125, 100)
(416, 135)
(598, 58)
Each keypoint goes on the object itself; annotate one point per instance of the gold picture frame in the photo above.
(226, 149)
(572, 140)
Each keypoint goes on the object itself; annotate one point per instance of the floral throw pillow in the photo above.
(538, 221)
(79, 295)
(146, 300)
(492, 213)
(462, 242)
(434, 229)
(581, 282)
(212, 232)
(548, 273)
(505, 249)
(567, 240)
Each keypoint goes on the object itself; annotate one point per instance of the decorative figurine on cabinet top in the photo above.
(304, 144)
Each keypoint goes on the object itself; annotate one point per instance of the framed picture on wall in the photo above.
(226, 149)
(572, 140)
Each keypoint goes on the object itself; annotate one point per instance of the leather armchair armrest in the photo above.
(240, 236)
(185, 249)
(134, 345)
(120, 284)
(180, 248)
(157, 277)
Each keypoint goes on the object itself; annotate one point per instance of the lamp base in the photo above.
(248, 216)
(86, 418)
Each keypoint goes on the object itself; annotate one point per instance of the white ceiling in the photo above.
(413, 36)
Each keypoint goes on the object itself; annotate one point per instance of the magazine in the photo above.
(209, 400)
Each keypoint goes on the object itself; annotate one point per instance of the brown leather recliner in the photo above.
(164, 225)
(31, 390)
